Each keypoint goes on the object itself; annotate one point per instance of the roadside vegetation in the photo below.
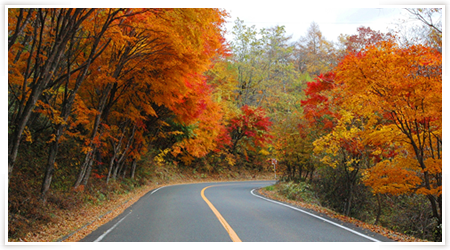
(105, 102)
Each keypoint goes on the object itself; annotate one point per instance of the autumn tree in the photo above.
(158, 70)
(293, 148)
(365, 37)
(133, 43)
(208, 127)
(140, 59)
(97, 30)
(344, 150)
(37, 41)
(404, 86)
(333, 135)
(318, 108)
(91, 91)
(313, 53)
(249, 131)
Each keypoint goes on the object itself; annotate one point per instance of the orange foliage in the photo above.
(399, 90)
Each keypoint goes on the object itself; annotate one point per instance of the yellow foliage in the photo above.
(160, 157)
(27, 134)
(433, 166)
(230, 159)
(351, 162)
(85, 149)
(433, 191)
(393, 177)
(264, 152)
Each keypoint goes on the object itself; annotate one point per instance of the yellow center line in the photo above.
(227, 227)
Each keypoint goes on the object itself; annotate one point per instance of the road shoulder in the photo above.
(376, 232)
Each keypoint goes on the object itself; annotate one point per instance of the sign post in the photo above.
(274, 163)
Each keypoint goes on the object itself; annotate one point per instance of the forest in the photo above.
(100, 100)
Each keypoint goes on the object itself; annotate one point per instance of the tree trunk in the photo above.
(351, 180)
(133, 169)
(66, 110)
(111, 164)
(88, 173)
(83, 170)
(124, 171)
(378, 210)
(289, 170)
(349, 200)
(44, 76)
(89, 156)
(103, 105)
(116, 169)
(50, 167)
(122, 158)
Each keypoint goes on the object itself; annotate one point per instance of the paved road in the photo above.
(221, 212)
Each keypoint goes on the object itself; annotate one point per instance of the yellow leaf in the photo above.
(264, 152)
(27, 133)
(52, 139)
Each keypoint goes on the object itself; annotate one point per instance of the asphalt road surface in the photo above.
(223, 212)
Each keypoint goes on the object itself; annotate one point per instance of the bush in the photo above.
(411, 215)
(301, 191)
(333, 192)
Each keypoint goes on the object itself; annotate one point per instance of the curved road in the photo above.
(220, 212)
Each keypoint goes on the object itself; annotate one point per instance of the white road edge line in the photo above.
(318, 217)
(156, 190)
(109, 230)
(115, 225)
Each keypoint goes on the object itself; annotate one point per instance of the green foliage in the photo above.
(409, 214)
(300, 191)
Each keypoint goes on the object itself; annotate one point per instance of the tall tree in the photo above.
(95, 49)
(36, 48)
(249, 130)
(263, 63)
(365, 37)
(404, 85)
(135, 60)
(314, 54)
